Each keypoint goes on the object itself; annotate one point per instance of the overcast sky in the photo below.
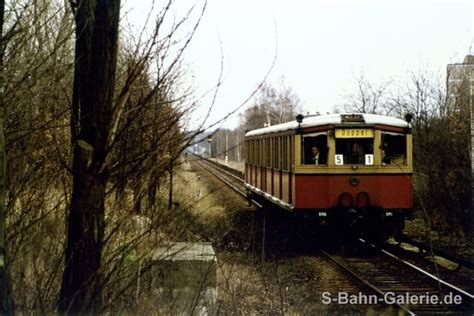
(321, 46)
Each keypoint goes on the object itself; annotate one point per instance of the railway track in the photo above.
(428, 249)
(390, 278)
(232, 180)
(397, 282)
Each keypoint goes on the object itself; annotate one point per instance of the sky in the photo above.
(319, 47)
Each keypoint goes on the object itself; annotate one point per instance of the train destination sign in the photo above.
(355, 133)
(352, 118)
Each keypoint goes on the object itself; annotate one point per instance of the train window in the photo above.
(393, 149)
(269, 153)
(254, 152)
(314, 149)
(249, 153)
(290, 150)
(272, 151)
(254, 159)
(354, 150)
(277, 153)
(266, 152)
(257, 152)
(258, 148)
(274, 156)
(246, 152)
(286, 165)
(278, 156)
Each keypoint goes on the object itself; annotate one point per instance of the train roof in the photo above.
(319, 120)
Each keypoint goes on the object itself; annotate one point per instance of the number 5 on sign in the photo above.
(369, 159)
(339, 160)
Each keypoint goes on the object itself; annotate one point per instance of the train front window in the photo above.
(393, 149)
(354, 151)
(314, 149)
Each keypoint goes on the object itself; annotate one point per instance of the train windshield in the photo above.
(354, 151)
(393, 149)
(314, 149)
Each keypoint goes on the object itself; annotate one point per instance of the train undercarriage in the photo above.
(371, 222)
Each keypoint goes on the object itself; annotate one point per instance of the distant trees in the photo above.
(367, 97)
(271, 105)
(228, 142)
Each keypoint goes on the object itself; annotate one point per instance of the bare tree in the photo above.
(130, 141)
(271, 106)
(368, 97)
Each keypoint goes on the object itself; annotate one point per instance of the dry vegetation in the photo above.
(88, 175)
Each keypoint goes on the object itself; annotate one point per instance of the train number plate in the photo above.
(355, 133)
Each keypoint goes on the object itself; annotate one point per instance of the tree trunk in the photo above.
(94, 77)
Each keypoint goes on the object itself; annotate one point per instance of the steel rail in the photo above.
(365, 282)
(202, 162)
(218, 166)
(412, 266)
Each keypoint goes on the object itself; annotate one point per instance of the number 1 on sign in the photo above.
(369, 159)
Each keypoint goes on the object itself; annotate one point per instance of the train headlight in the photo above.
(322, 214)
(345, 200)
(363, 199)
(388, 214)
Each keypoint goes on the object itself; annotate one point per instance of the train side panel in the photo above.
(286, 186)
(269, 180)
(277, 183)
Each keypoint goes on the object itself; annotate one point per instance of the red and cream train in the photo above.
(348, 170)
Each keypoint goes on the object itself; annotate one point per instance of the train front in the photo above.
(356, 173)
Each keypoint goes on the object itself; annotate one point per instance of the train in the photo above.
(351, 171)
